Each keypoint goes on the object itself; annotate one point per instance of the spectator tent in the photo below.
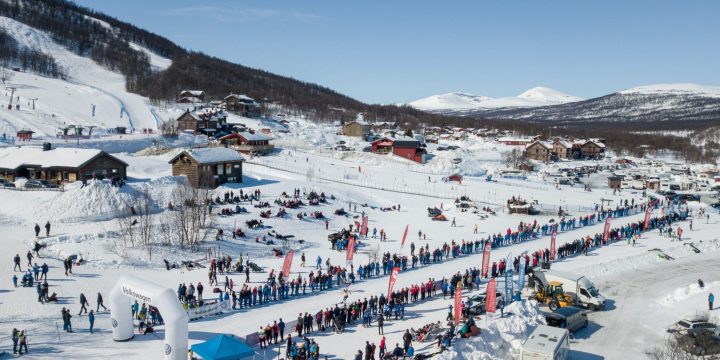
(223, 347)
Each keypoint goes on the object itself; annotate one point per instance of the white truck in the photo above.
(546, 343)
(582, 290)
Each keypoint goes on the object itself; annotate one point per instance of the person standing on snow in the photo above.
(711, 299)
(22, 338)
(16, 260)
(29, 257)
(91, 319)
(47, 229)
(37, 230)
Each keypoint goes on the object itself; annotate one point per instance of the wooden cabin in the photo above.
(356, 129)
(208, 167)
(59, 165)
(248, 143)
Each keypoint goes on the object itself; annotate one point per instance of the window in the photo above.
(220, 168)
(228, 168)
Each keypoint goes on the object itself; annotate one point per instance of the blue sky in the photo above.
(396, 51)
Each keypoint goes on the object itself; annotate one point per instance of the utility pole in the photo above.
(12, 93)
(33, 100)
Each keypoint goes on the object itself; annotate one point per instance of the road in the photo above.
(643, 304)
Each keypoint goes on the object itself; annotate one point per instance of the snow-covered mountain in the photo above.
(454, 100)
(535, 97)
(662, 102)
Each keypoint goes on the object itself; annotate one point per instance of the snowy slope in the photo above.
(455, 100)
(675, 89)
(535, 97)
(65, 102)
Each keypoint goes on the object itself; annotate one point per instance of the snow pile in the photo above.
(98, 201)
(679, 295)
(626, 264)
(503, 337)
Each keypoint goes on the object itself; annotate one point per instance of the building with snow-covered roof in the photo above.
(208, 167)
(198, 94)
(210, 122)
(248, 143)
(189, 100)
(539, 150)
(242, 105)
(59, 165)
(562, 149)
(356, 128)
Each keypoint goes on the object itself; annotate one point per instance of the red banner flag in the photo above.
(287, 263)
(350, 249)
(393, 278)
(364, 228)
(458, 303)
(491, 297)
(648, 212)
(486, 259)
(552, 245)
(404, 235)
(606, 232)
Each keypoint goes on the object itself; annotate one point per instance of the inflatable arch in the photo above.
(130, 288)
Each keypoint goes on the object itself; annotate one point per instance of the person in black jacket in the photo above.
(380, 321)
(407, 340)
(100, 302)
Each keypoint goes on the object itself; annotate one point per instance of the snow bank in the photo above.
(630, 263)
(681, 294)
(503, 337)
(98, 201)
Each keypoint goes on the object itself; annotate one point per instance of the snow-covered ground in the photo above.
(84, 223)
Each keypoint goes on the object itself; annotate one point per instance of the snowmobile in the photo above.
(439, 217)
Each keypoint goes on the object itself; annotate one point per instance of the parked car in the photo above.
(6, 184)
(570, 317)
(692, 326)
(39, 184)
(477, 302)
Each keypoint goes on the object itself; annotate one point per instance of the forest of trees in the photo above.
(13, 55)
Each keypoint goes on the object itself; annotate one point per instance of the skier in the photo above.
(453, 222)
(16, 260)
(318, 262)
(29, 257)
(37, 230)
(302, 260)
(47, 229)
(247, 274)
